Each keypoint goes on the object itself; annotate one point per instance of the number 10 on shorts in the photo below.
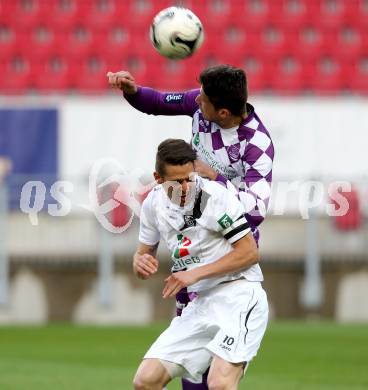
(228, 340)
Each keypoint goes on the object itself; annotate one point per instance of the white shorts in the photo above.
(228, 320)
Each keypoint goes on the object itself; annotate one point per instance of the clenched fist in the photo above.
(122, 80)
(144, 265)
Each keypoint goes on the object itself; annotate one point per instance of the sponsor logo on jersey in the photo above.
(174, 98)
(181, 257)
(234, 152)
(196, 139)
(182, 264)
(182, 250)
(209, 157)
(225, 221)
(189, 221)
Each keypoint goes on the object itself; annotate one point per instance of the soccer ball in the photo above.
(176, 32)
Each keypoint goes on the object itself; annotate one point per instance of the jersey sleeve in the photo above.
(151, 101)
(148, 232)
(226, 215)
(255, 186)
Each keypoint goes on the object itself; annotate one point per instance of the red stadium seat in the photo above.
(254, 14)
(64, 14)
(143, 68)
(113, 40)
(139, 14)
(358, 75)
(24, 13)
(347, 43)
(361, 15)
(90, 74)
(104, 13)
(78, 41)
(213, 13)
(8, 40)
(259, 74)
(16, 75)
(331, 14)
(231, 40)
(292, 14)
(39, 41)
(273, 43)
(176, 75)
(289, 76)
(53, 75)
(329, 76)
(310, 43)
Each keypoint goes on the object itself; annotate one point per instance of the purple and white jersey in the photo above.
(242, 155)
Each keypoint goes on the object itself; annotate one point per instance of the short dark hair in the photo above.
(173, 152)
(226, 87)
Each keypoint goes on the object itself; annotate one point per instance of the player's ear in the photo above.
(224, 113)
(158, 178)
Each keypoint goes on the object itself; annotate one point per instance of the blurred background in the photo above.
(62, 128)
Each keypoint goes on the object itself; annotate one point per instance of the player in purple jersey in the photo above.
(231, 142)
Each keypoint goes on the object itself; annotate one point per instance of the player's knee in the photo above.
(216, 382)
(151, 374)
(144, 381)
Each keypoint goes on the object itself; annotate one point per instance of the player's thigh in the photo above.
(224, 375)
(151, 371)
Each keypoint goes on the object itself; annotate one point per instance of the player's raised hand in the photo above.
(204, 170)
(144, 265)
(178, 280)
(122, 80)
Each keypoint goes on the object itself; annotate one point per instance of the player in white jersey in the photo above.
(213, 254)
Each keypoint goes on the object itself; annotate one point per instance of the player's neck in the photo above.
(232, 121)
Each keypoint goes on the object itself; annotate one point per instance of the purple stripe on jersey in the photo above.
(269, 177)
(252, 154)
(217, 141)
(245, 133)
(270, 151)
(203, 125)
(252, 177)
(255, 231)
(221, 179)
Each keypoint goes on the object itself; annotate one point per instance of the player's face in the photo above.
(207, 108)
(209, 112)
(179, 183)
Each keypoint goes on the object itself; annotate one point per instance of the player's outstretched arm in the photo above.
(151, 101)
(243, 255)
(145, 263)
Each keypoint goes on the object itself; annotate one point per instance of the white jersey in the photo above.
(199, 233)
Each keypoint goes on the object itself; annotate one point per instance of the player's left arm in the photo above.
(243, 255)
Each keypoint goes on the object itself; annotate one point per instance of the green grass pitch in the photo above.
(293, 356)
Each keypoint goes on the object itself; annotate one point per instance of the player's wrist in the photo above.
(130, 91)
(212, 174)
